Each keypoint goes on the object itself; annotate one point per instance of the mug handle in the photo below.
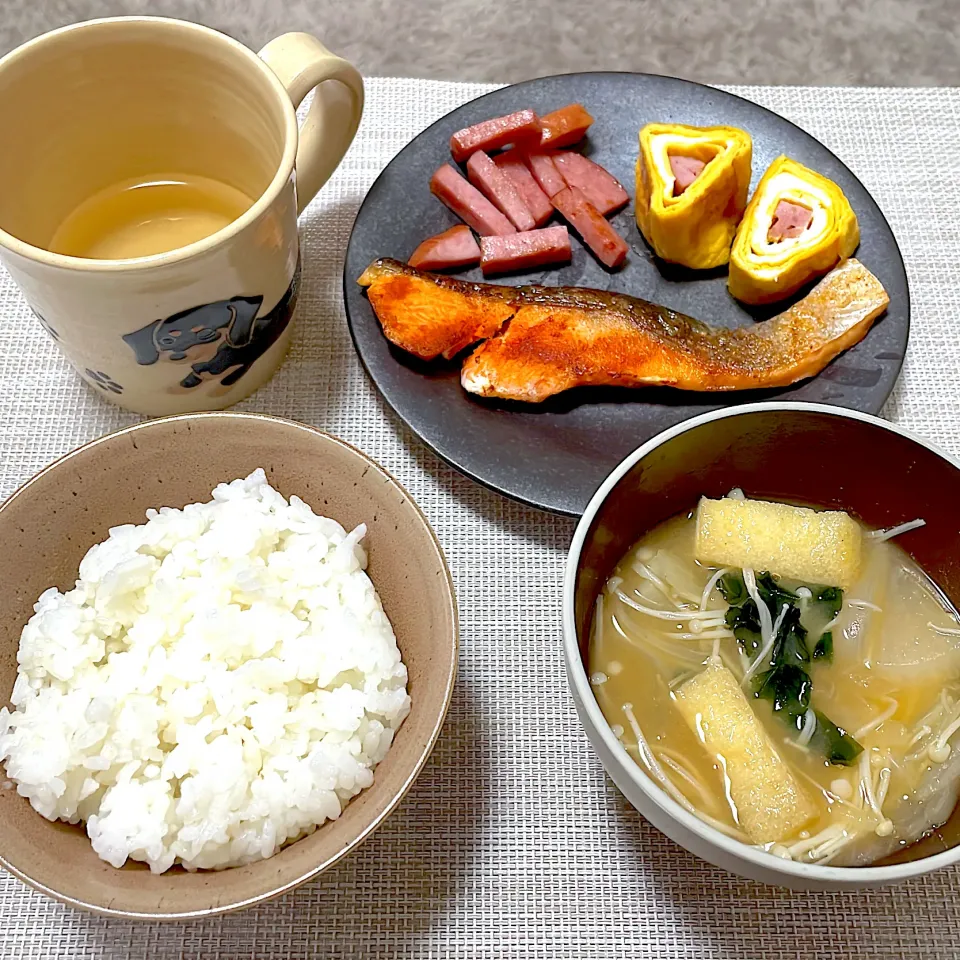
(303, 63)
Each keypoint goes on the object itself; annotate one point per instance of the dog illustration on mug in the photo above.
(221, 341)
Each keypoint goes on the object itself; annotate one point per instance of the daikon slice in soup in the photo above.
(787, 675)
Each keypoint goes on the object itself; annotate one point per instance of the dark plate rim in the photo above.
(350, 282)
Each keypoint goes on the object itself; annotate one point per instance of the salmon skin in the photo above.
(563, 337)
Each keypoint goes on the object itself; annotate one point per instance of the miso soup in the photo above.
(813, 720)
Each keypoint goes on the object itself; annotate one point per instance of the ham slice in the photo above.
(545, 172)
(452, 249)
(468, 203)
(520, 127)
(789, 221)
(598, 186)
(608, 246)
(498, 188)
(565, 126)
(685, 170)
(538, 203)
(524, 251)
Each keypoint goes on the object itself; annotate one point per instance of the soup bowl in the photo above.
(48, 525)
(799, 452)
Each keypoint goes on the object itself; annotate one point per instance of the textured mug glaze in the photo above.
(202, 326)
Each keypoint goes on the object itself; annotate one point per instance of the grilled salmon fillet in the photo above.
(432, 316)
(541, 341)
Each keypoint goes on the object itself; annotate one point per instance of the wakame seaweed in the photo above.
(733, 589)
(788, 688)
(770, 590)
(834, 742)
(832, 597)
(785, 680)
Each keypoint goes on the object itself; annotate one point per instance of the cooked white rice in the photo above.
(221, 680)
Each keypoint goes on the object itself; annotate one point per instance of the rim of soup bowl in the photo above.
(755, 861)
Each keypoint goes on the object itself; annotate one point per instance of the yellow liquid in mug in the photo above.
(142, 217)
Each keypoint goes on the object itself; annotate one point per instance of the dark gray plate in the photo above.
(554, 455)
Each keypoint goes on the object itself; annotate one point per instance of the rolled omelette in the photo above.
(692, 185)
(797, 227)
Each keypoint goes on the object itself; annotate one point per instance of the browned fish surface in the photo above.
(430, 315)
(563, 337)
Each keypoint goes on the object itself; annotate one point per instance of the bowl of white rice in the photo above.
(227, 646)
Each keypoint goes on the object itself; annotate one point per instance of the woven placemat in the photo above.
(513, 843)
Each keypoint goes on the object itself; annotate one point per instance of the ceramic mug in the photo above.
(85, 107)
